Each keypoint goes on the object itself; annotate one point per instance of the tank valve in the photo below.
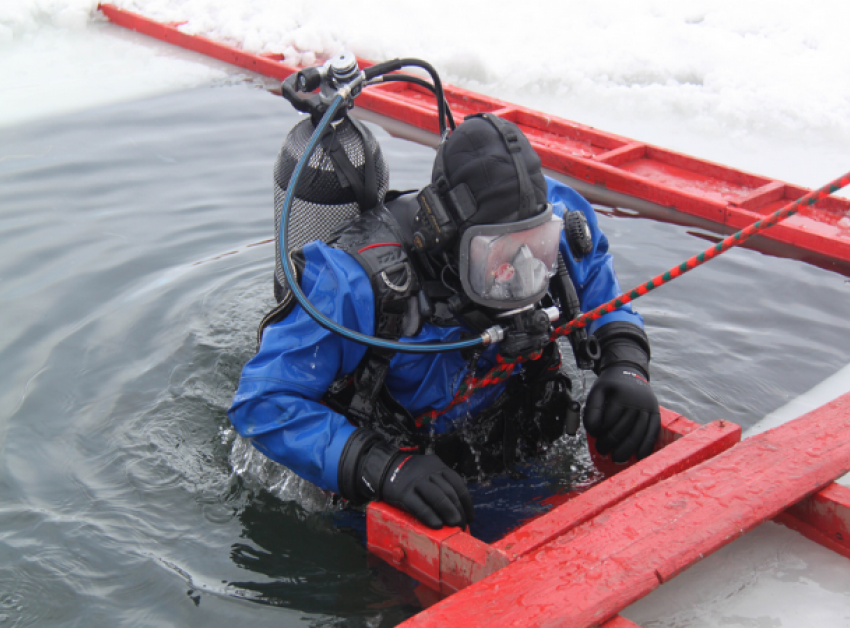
(342, 69)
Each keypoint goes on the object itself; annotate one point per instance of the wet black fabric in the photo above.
(426, 488)
(421, 484)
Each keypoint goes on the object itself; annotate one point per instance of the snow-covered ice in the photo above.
(769, 578)
(758, 85)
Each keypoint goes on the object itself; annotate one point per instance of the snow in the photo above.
(57, 57)
(762, 86)
(758, 85)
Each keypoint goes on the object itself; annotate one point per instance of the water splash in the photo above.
(258, 472)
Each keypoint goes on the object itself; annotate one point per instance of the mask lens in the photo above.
(512, 267)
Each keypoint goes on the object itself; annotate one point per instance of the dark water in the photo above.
(129, 297)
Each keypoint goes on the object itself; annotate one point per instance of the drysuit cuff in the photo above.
(363, 465)
(623, 344)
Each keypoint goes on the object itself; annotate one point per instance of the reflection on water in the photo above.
(124, 495)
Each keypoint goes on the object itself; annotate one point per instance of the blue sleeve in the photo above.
(277, 405)
(593, 276)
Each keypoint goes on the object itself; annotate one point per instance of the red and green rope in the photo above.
(710, 253)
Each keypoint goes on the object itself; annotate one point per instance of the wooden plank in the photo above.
(709, 170)
(399, 539)
(464, 560)
(586, 576)
(698, 446)
(619, 622)
(762, 196)
(623, 154)
(448, 560)
(673, 427)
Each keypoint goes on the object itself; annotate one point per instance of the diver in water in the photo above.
(483, 244)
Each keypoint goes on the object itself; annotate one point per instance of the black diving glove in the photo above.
(622, 411)
(372, 469)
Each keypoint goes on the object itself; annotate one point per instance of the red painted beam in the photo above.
(448, 560)
(586, 576)
(673, 427)
(698, 446)
(823, 517)
(409, 546)
(619, 622)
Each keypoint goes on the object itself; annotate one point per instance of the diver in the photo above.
(484, 244)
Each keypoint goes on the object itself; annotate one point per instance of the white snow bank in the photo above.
(758, 85)
(58, 56)
(20, 19)
(747, 80)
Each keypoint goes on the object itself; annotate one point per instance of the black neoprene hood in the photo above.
(482, 157)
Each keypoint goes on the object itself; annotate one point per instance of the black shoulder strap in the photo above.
(369, 174)
(373, 239)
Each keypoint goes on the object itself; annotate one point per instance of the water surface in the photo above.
(133, 272)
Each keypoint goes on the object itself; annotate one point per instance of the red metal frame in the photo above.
(728, 197)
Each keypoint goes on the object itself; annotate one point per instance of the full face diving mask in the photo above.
(508, 266)
(487, 209)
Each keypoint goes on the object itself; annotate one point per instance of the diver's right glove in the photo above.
(622, 411)
(372, 469)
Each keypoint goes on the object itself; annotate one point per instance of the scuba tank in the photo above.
(346, 174)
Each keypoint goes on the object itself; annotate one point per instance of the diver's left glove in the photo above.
(622, 411)
(372, 469)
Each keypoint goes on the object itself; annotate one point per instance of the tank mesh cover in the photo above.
(321, 205)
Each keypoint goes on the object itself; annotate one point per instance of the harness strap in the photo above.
(371, 191)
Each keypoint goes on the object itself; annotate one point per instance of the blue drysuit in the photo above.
(278, 403)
